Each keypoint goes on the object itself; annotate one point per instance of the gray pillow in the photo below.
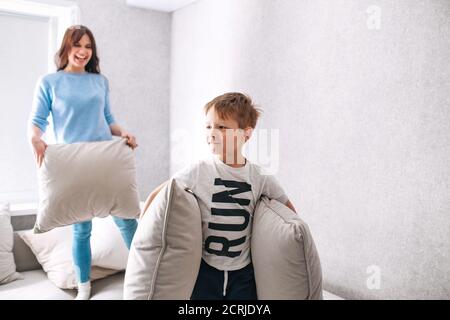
(7, 265)
(80, 181)
(285, 258)
(166, 251)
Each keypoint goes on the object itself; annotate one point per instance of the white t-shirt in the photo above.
(227, 197)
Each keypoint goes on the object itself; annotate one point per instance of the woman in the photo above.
(77, 96)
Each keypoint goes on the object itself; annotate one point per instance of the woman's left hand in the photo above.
(131, 140)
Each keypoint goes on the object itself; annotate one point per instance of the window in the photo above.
(31, 32)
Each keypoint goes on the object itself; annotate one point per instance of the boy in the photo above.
(227, 187)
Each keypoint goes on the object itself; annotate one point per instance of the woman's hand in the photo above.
(116, 130)
(39, 147)
(131, 140)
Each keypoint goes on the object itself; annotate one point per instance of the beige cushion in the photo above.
(166, 251)
(7, 266)
(80, 181)
(53, 250)
(285, 259)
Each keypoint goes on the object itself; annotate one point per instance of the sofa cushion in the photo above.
(53, 250)
(7, 266)
(285, 259)
(80, 181)
(165, 255)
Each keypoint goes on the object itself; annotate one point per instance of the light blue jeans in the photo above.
(81, 247)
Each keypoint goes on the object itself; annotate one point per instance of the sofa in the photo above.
(35, 284)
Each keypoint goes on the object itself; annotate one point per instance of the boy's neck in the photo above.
(238, 162)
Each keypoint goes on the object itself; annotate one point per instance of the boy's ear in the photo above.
(248, 133)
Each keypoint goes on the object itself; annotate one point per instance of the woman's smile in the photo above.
(81, 58)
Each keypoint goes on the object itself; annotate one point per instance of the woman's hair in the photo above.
(72, 35)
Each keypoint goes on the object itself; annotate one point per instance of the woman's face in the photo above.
(81, 53)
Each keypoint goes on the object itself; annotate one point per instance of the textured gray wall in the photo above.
(134, 51)
(364, 124)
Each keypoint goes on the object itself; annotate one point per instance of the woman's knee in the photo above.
(125, 224)
(82, 230)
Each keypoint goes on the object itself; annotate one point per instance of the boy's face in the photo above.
(225, 138)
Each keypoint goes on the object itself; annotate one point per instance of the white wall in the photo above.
(364, 124)
(134, 50)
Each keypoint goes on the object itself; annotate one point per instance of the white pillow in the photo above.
(80, 181)
(53, 250)
(166, 251)
(7, 266)
(285, 258)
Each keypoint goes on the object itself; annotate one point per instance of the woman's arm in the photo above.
(117, 130)
(38, 145)
(40, 110)
(151, 197)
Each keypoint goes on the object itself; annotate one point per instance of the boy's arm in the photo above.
(151, 197)
(290, 205)
(273, 190)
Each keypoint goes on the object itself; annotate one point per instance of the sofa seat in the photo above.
(36, 286)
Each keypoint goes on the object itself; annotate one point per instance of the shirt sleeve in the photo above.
(108, 114)
(273, 189)
(188, 176)
(41, 105)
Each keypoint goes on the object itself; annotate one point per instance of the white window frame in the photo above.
(61, 14)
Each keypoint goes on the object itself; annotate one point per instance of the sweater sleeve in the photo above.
(108, 114)
(41, 105)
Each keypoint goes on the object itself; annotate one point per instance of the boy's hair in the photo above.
(237, 105)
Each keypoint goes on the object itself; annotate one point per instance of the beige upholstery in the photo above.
(80, 181)
(7, 266)
(165, 255)
(53, 250)
(284, 255)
